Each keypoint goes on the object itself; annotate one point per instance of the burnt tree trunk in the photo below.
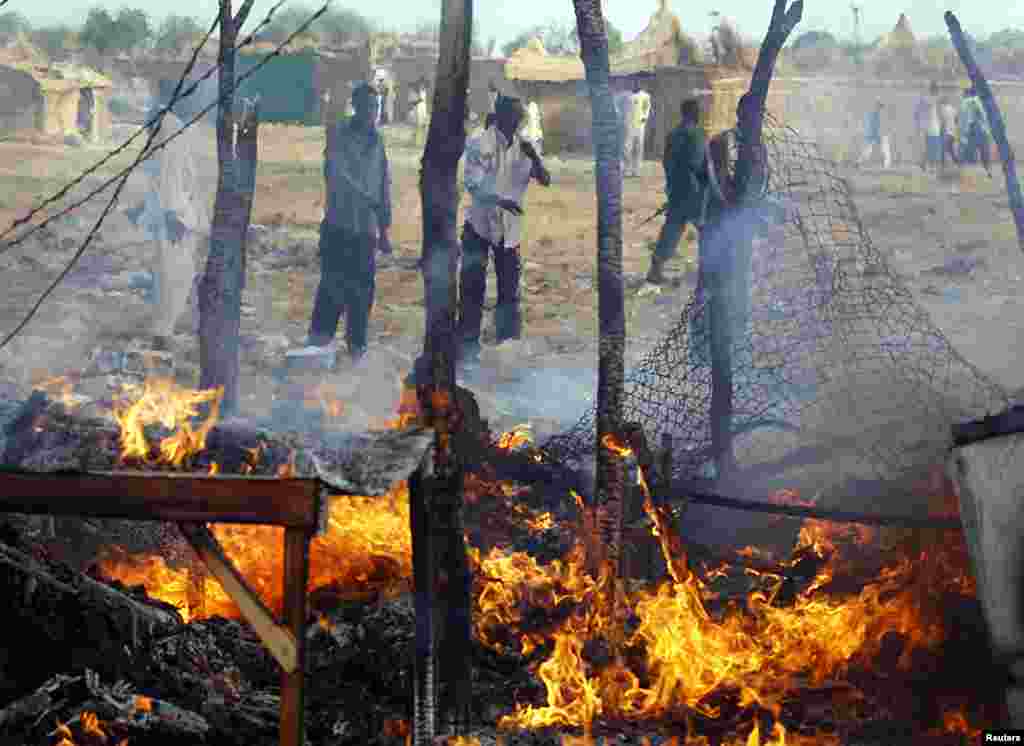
(220, 291)
(610, 482)
(732, 237)
(995, 119)
(438, 527)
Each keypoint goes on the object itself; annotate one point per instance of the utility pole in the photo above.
(856, 28)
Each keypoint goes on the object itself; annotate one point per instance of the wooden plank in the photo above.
(296, 576)
(164, 497)
(279, 641)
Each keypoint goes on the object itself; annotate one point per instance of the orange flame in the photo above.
(609, 442)
(161, 401)
(515, 438)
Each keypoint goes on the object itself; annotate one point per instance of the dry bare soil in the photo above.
(917, 221)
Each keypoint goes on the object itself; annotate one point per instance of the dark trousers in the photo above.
(347, 285)
(473, 288)
(976, 144)
(670, 236)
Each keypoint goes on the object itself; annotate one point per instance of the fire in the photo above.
(609, 442)
(366, 550)
(92, 731)
(517, 437)
(161, 401)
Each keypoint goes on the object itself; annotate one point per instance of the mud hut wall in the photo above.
(21, 101)
(102, 121)
(61, 110)
(409, 70)
(565, 106)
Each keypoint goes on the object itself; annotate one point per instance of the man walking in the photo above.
(928, 124)
(636, 126)
(686, 182)
(873, 137)
(947, 115)
(175, 215)
(974, 133)
(498, 168)
(533, 132)
(355, 225)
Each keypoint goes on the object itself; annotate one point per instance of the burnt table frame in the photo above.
(191, 501)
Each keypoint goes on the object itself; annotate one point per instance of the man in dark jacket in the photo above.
(355, 224)
(685, 183)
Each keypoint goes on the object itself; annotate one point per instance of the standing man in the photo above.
(873, 137)
(974, 133)
(498, 168)
(928, 124)
(492, 96)
(636, 127)
(686, 180)
(947, 115)
(533, 132)
(355, 225)
(175, 215)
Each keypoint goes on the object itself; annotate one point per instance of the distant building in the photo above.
(59, 99)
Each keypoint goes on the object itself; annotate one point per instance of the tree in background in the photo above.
(175, 32)
(55, 39)
(134, 29)
(129, 30)
(98, 31)
(562, 39)
(13, 23)
(1008, 38)
(814, 40)
(336, 26)
(342, 25)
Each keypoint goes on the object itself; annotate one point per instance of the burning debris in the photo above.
(756, 650)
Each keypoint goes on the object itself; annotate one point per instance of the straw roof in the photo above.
(900, 36)
(658, 45)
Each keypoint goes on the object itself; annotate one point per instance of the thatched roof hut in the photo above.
(662, 43)
(58, 100)
(901, 35)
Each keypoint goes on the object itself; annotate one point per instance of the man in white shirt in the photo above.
(636, 126)
(498, 167)
(175, 215)
(928, 124)
(533, 132)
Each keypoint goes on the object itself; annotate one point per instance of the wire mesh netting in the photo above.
(838, 373)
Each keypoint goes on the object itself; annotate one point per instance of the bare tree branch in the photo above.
(995, 119)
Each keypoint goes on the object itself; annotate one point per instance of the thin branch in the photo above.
(250, 39)
(995, 119)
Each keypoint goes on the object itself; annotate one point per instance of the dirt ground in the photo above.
(917, 221)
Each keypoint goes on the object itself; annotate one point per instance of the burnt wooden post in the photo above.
(611, 467)
(220, 290)
(995, 118)
(437, 495)
(296, 576)
(731, 238)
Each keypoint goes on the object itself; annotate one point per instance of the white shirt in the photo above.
(532, 131)
(948, 112)
(494, 172)
(174, 181)
(639, 109)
